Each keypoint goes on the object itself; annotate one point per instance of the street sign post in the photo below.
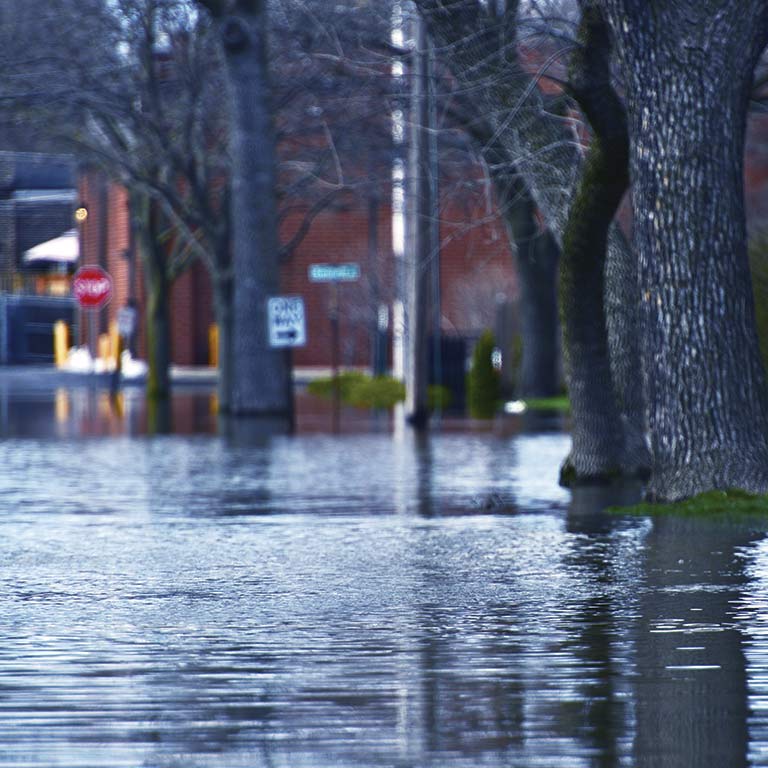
(286, 321)
(334, 273)
(126, 321)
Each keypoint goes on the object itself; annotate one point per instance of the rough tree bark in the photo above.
(688, 68)
(604, 181)
(480, 49)
(261, 384)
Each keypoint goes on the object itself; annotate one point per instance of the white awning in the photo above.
(64, 249)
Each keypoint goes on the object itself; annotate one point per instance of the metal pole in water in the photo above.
(335, 357)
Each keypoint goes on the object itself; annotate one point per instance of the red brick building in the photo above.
(476, 266)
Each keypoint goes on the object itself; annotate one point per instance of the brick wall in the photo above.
(475, 268)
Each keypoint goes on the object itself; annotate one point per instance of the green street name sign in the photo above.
(334, 273)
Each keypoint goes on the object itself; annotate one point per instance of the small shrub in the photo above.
(362, 391)
(380, 392)
(483, 380)
(347, 382)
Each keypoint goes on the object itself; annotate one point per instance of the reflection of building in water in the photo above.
(90, 411)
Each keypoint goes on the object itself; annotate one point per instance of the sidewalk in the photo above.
(48, 376)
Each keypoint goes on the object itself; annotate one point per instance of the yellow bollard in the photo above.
(60, 343)
(213, 346)
(114, 344)
(104, 351)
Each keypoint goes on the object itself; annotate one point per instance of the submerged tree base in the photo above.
(572, 477)
(721, 503)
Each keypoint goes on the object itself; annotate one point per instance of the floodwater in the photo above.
(364, 599)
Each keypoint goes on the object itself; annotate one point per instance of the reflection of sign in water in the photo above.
(334, 273)
(92, 287)
(286, 321)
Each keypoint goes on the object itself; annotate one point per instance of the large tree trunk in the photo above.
(480, 51)
(688, 68)
(597, 437)
(261, 384)
(600, 447)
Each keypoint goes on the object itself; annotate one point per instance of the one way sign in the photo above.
(286, 321)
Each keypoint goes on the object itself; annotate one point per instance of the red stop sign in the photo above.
(92, 287)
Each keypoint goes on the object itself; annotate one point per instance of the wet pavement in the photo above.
(363, 599)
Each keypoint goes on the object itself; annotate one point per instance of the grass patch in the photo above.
(361, 391)
(559, 403)
(730, 503)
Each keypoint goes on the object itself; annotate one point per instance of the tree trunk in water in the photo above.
(601, 447)
(222, 303)
(158, 330)
(536, 259)
(260, 381)
(688, 68)
(597, 434)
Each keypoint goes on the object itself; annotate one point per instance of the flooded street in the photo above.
(356, 600)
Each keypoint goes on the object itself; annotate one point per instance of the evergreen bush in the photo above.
(483, 380)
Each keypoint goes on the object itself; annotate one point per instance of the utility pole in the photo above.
(434, 219)
(421, 251)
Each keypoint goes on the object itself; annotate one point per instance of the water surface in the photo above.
(360, 600)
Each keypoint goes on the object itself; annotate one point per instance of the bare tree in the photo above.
(148, 103)
(260, 374)
(132, 86)
(533, 137)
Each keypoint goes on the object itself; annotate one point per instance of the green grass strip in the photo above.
(714, 504)
(559, 403)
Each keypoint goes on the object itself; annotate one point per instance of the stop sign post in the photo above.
(92, 287)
